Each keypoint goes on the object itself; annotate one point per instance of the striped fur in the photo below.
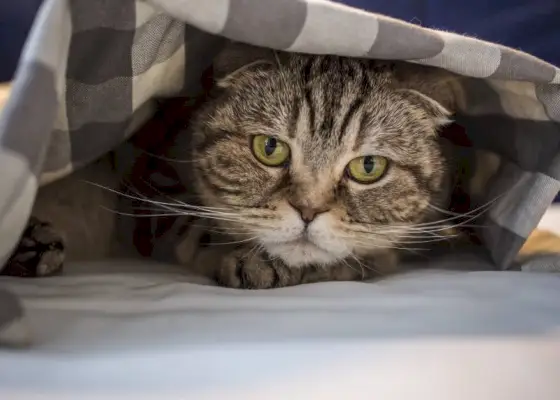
(329, 110)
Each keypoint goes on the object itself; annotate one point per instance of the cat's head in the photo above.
(320, 158)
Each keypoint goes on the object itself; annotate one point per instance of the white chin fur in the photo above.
(323, 247)
(301, 254)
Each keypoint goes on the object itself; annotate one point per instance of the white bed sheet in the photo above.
(153, 335)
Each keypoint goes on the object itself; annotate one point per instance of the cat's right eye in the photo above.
(270, 151)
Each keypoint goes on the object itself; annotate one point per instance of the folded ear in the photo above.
(437, 112)
(239, 60)
(438, 91)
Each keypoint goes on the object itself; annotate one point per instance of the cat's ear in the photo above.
(238, 61)
(440, 115)
(438, 91)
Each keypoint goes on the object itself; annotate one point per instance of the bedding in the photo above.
(530, 26)
(16, 19)
(143, 331)
(125, 329)
(91, 73)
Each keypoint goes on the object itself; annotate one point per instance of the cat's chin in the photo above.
(302, 253)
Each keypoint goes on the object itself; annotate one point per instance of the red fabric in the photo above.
(154, 137)
(460, 200)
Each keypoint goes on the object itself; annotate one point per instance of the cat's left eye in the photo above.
(367, 169)
(270, 151)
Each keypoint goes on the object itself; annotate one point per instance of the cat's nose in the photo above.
(307, 213)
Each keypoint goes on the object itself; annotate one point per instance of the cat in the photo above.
(316, 167)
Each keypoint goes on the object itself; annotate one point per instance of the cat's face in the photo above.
(319, 160)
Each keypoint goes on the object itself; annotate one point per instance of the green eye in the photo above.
(270, 151)
(367, 169)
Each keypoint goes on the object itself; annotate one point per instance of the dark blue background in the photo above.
(529, 25)
(16, 17)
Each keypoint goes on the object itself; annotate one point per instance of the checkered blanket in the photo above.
(91, 72)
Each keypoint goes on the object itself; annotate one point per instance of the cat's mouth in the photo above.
(301, 251)
(303, 239)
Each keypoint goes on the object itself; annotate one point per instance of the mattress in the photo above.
(142, 330)
(145, 331)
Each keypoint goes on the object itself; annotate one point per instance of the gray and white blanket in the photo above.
(91, 72)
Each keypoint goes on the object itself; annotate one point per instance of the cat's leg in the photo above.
(70, 222)
(380, 265)
(40, 251)
(246, 268)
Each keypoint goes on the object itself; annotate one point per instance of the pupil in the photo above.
(369, 163)
(270, 146)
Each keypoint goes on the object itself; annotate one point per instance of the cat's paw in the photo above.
(246, 269)
(40, 251)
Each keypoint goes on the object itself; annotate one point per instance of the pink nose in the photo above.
(307, 213)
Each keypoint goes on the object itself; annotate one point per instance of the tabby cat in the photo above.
(314, 168)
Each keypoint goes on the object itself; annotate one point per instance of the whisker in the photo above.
(449, 212)
(256, 248)
(390, 247)
(170, 206)
(173, 214)
(436, 226)
(484, 207)
(232, 242)
(163, 158)
(221, 230)
(364, 244)
(134, 215)
(436, 240)
(176, 202)
(439, 225)
(351, 267)
(416, 237)
(366, 265)
(129, 196)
